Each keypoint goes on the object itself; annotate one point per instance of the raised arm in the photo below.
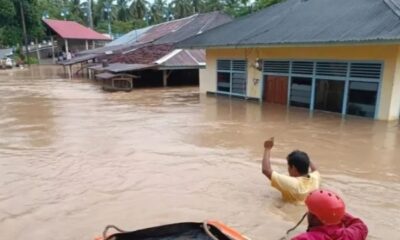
(266, 162)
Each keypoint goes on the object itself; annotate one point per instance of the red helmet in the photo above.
(326, 205)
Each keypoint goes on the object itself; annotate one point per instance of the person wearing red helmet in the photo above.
(300, 182)
(327, 219)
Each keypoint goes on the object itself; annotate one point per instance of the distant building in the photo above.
(332, 55)
(150, 53)
(72, 36)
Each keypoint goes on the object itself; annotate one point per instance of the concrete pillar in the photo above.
(93, 44)
(52, 49)
(66, 46)
(394, 104)
(37, 50)
(165, 78)
(87, 43)
(69, 71)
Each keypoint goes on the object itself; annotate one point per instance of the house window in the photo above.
(329, 95)
(300, 93)
(335, 86)
(232, 76)
(362, 98)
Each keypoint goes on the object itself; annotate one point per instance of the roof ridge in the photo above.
(190, 55)
(215, 14)
(394, 6)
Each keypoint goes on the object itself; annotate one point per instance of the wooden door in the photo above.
(276, 89)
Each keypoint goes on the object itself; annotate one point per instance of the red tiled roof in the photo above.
(73, 30)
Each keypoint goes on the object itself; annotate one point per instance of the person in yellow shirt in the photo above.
(300, 182)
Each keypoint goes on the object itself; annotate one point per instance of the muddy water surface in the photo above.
(74, 159)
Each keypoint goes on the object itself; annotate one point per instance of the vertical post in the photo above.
(87, 43)
(313, 86)
(52, 48)
(93, 44)
(109, 25)
(70, 71)
(66, 46)
(24, 31)
(289, 84)
(37, 50)
(165, 78)
(90, 14)
(346, 91)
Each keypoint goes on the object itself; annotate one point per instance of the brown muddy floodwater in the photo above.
(74, 159)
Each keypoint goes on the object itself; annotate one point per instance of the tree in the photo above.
(213, 5)
(10, 24)
(122, 10)
(182, 8)
(197, 5)
(158, 10)
(139, 8)
(260, 4)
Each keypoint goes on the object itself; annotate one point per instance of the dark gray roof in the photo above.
(197, 24)
(308, 22)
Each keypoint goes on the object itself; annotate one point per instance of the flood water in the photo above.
(74, 159)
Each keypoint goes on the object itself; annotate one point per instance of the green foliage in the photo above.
(11, 24)
(139, 8)
(260, 4)
(10, 35)
(182, 8)
(7, 12)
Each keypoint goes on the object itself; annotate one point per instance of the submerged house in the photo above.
(150, 53)
(333, 55)
(72, 36)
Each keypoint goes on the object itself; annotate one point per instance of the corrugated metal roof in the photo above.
(197, 24)
(308, 22)
(184, 58)
(79, 59)
(129, 38)
(144, 55)
(123, 67)
(74, 30)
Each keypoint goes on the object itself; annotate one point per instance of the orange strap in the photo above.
(228, 231)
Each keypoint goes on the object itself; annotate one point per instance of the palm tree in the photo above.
(213, 5)
(197, 5)
(182, 8)
(138, 8)
(157, 10)
(122, 10)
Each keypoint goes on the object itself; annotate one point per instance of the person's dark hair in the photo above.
(299, 160)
